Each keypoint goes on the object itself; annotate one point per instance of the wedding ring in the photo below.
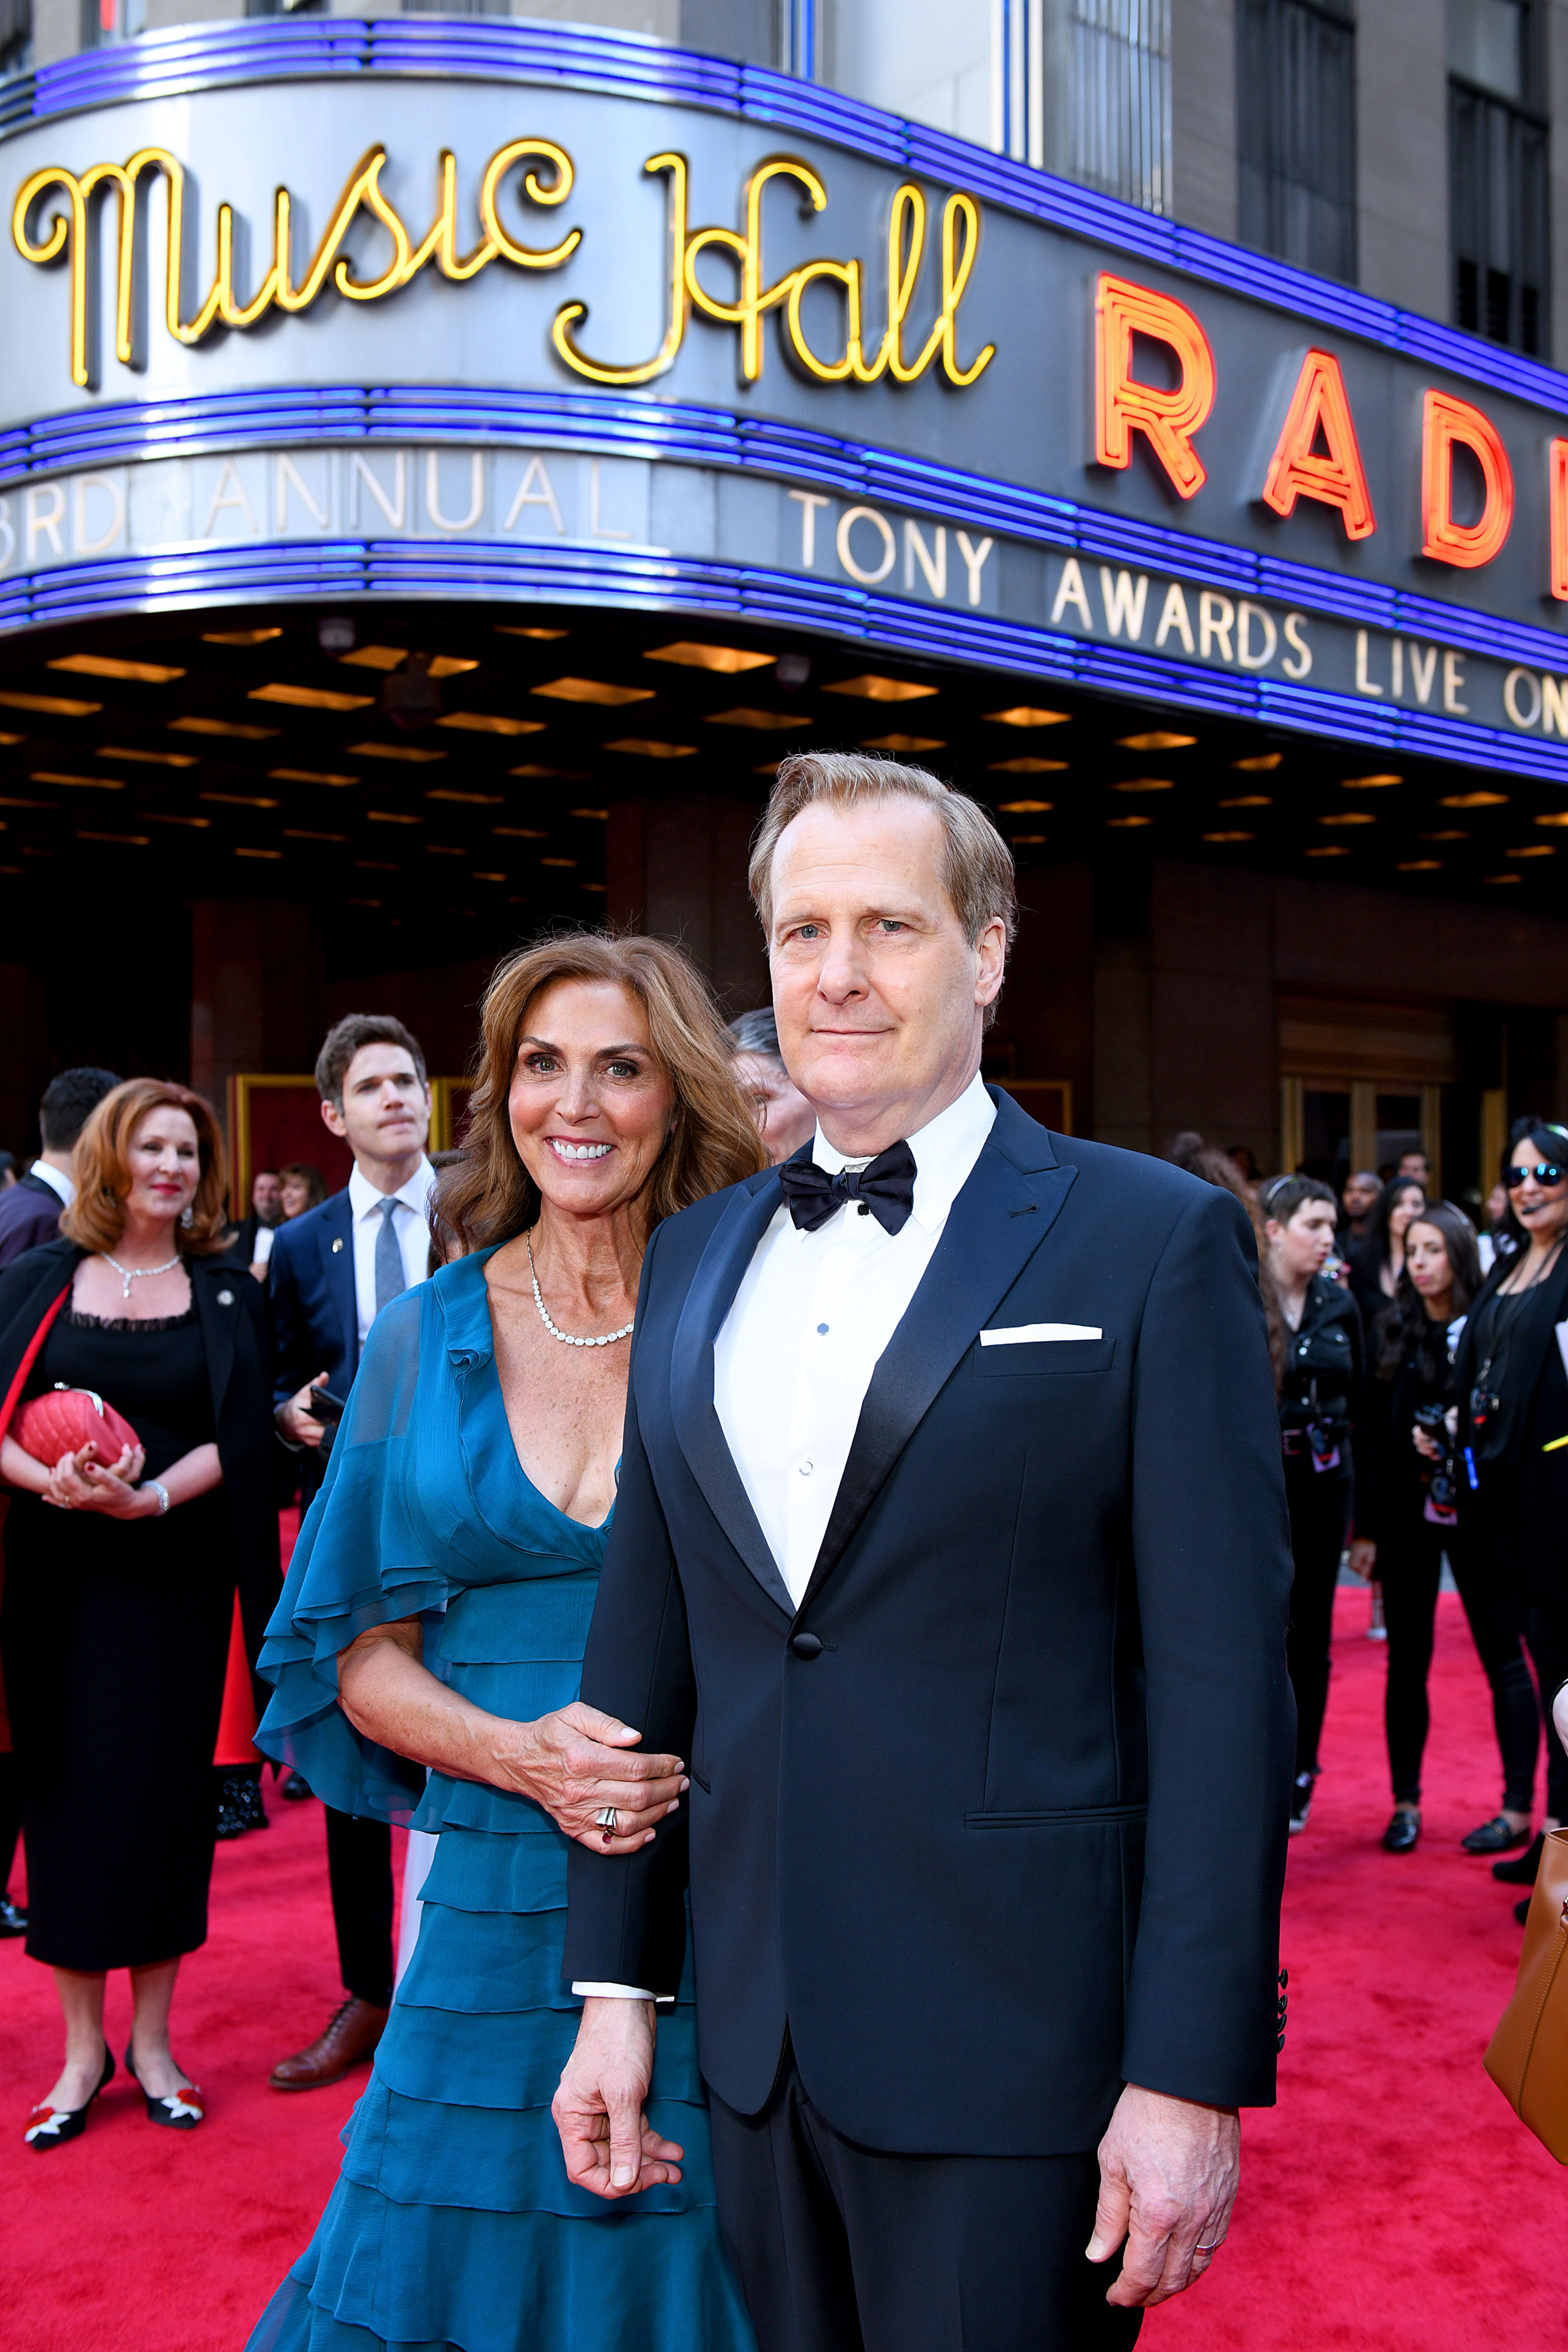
(606, 1819)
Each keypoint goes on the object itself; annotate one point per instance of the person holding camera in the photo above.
(1512, 1430)
(1406, 1508)
(332, 1271)
(1314, 1338)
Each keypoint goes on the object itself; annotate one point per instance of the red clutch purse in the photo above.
(63, 1420)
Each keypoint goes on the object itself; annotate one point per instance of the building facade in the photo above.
(449, 457)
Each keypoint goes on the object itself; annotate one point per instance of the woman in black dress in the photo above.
(1511, 1379)
(120, 1575)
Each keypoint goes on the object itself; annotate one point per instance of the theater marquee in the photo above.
(319, 308)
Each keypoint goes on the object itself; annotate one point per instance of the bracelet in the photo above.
(160, 1491)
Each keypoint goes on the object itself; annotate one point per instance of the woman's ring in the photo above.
(606, 1820)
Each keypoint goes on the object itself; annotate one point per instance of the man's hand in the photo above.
(1169, 2175)
(573, 1763)
(297, 1420)
(605, 2136)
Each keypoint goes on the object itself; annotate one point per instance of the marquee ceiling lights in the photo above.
(1329, 849)
(167, 817)
(476, 800)
(592, 689)
(1027, 767)
(873, 689)
(91, 783)
(1024, 714)
(384, 657)
(1025, 808)
(416, 754)
(1158, 740)
(761, 720)
(903, 742)
(1230, 837)
(1369, 783)
(504, 629)
(1260, 763)
(309, 697)
(307, 776)
(1450, 832)
(392, 816)
(491, 722)
(1348, 816)
(1123, 823)
(594, 816)
(52, 705)
(110, 666)
(1554, 816)
(689, 654)
(298, 833)
(567, 775)
(1143, 784)
(1533, 849)
(240, 800)
(1419, 865)
(1472, 800)
(642, 748)
(518, 833)
(1245, 800)
(150, 759)
(232, 726)
(239, 636)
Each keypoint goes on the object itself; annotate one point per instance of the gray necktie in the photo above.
(390, 1277)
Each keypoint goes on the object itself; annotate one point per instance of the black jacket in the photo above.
(1322, 1376)
(995, 1820)
(1392, 1479)
(29, 1216)
(1537, 1413)
(236, 1334)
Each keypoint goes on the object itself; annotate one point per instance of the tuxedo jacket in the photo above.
(236, 1339)
(29, 1216)
(311, 1277)
(995, 1820)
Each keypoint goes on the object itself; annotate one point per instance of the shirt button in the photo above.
(806, 1468)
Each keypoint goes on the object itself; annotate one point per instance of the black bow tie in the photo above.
(885, 1187)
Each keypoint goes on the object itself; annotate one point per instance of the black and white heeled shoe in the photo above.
(50, 2126)
(182, 2110)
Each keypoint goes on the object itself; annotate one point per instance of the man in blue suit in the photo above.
(950, 1547)
(332, 1271)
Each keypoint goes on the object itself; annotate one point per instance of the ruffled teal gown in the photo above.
(453, 2223)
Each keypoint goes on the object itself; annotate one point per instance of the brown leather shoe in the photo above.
(351, 2034)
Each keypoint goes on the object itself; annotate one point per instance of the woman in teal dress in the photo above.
(426, 1654)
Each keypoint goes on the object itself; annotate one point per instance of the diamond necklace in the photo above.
(130, 1274)
(604, 1340)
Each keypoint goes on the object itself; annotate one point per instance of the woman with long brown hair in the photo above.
(123, 1553)
(461, 1528)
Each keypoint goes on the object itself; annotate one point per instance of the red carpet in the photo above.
(1390, 2203)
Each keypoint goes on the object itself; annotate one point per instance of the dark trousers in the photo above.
(842, 2249)
(1410, 1567)
(1502, 1587)
(10, 1816)
(359, 1864)
(1319, 1521)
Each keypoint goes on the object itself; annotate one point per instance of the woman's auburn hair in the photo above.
(96, 1217)
(488, 1196)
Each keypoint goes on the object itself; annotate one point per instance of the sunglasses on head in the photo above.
(1544, 1172)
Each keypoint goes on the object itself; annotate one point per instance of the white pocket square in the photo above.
(1014, 1335)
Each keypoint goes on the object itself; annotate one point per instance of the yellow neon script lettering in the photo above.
(68, 229)
(548, 181)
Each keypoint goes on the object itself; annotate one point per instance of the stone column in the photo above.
(677, 868)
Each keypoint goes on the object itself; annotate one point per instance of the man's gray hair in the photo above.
(976, 870)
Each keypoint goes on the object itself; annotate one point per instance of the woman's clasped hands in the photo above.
(80, 1482)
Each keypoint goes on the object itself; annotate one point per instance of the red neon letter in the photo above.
(1320, 405)
(1557, 500)
(1446, 421)
(1123, 406)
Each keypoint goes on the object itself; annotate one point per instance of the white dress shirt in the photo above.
(56, 1181)
(411, 1223)
(813, 1315)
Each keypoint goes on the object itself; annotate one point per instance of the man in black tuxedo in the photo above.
(951, 1548)
(331, 1272)
(30, 1208)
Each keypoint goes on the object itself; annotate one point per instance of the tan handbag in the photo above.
(1528, 2059)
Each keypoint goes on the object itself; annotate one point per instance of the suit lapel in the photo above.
(338, 1272)
(730, 1249)
(996, 1224)
(1538, 1331)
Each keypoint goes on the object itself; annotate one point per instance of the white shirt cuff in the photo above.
(622, 1992)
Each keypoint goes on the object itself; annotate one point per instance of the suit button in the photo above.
(806, 1645)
